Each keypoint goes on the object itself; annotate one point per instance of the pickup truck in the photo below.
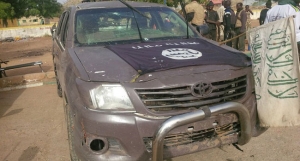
(140, 83)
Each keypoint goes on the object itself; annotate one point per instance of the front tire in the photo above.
(70, 128)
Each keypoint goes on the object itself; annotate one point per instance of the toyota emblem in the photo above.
(201, 89)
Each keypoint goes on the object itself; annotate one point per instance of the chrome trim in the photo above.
(201, 89)
(179, 120)
(177, 98)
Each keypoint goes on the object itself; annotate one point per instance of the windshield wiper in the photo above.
(133, 9)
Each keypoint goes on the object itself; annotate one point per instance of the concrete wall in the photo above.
(23, 32)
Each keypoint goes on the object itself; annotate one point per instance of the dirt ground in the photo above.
(33, 128)
(32, 121)
(25, 51)
(32, 125)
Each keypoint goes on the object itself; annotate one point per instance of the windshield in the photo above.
(103, 26)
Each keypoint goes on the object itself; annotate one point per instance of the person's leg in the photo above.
(209, 35)
(218, 33)
(298, 44)
(214, 34)
(236, 41)
(242, 42)
(228, 35)
(248, 27)
(221, 33)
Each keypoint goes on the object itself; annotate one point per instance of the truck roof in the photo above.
(115, 4)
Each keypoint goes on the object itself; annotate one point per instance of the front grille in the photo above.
(195, 136)
(180, 98)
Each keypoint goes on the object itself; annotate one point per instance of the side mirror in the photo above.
(53, 33)
(52, 30)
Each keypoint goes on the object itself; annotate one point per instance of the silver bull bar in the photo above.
(183, 119)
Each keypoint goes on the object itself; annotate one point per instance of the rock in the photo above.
(8, 39)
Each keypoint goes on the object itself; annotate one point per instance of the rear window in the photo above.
(122, 25)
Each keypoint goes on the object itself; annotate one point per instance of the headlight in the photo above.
(110, 97)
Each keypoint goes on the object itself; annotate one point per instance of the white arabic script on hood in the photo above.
(181, 53)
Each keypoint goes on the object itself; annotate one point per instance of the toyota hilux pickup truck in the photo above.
(140, 83)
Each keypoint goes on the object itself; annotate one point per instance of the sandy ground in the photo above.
(33, 128)
(32, 125)
(32, 122)
(25, 51)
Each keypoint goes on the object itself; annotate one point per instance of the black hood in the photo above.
(163, 55)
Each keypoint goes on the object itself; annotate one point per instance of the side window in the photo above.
(64, 29)
(60, 23)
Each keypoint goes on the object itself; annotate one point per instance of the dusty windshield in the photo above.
(120, 25)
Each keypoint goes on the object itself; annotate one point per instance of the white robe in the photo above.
(283, 11)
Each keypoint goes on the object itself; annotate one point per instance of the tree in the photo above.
(20, 8)
(42, 8)
(71, 2)
(6, 10)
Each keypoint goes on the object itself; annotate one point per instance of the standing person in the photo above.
(248, 23)
(221, 12)
(263, 13)
(248, 12)
(199, 15)
(212, 19)
(229, 20)
(240, 27)
(286, 8)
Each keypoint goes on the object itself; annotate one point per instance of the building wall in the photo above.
(8, 23)
(33, 20)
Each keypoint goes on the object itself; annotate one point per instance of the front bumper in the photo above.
(123, 134)
(179, 120)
